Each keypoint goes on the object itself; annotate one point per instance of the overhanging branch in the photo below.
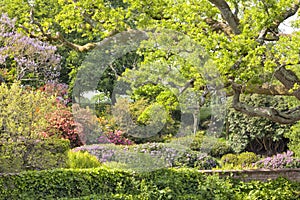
(282, 117)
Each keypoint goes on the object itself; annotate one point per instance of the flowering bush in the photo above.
(117, 137)
(284, 160)
(163, 151)
(197, 160)
(104, 153)
(26, 58)
(150, 155)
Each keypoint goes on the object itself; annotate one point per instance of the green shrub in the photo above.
(197, 141)
(23, 112)
(36, 154)
(82, 160)
(220, 148)
(247, 158)
(229, 159)
(294, 138)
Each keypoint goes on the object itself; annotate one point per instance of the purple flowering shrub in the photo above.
(26, 58)
(163, 151)
(197, 160)
(284, 160)
(104, 153)
(155, 155)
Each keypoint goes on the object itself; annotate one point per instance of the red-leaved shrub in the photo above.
(62, 124)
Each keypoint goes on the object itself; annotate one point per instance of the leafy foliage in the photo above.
(62, 124)
(294, 136)
(256, 134)
(247, 158)
(117, 137)
(196, 160)
(229, 159)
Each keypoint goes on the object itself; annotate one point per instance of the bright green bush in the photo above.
(247, 158)
(229, 159)
(197, 141)
(23, 112)
(82, 160)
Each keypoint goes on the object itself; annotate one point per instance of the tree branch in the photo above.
(80, 48)
(272, 29)
(227, 14)
(287, 117)
(267, 89)
(289, 79)
(288, 13)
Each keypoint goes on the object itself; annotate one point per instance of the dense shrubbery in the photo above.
(62, 124)
(196, 160)
(33, 154)
(230, 158)
(239, 161)
(115, 137)
(151, 156)
(23, 112)
(103, 183)
(247, 159)
(220, 148)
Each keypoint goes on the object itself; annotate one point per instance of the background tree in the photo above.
(25, 59)
(243, 38)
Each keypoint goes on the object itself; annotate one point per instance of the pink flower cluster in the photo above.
(116, 137)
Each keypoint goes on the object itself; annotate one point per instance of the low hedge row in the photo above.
(103, 183)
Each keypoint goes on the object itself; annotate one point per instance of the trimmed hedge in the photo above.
(103, 183)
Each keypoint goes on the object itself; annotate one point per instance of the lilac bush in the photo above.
(104, 153)
(28, 58)
(284, 160)
(151, 155)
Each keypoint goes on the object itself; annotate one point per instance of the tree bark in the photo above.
(227, 14)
